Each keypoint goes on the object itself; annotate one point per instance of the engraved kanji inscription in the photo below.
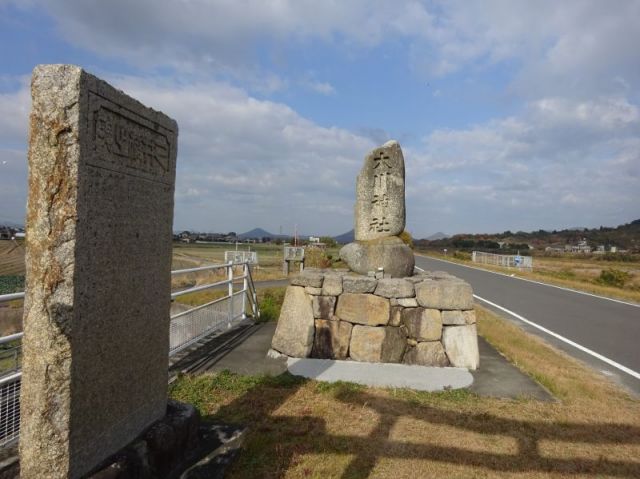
(380, 209)
(379, 225)
(117, 135)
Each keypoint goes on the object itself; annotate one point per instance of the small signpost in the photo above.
(292, 254)
(518, 261)
(250, 257)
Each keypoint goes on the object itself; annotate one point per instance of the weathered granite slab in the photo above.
(380, 207)
(363, 309)
(294, 333)
(390, 254)
(461, 344)
(444, 294)
(377, 344)
(429, 353)
(331, 339)
(99, 225)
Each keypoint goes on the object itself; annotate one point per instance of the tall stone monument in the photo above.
(380, 216)
(99, 224)
(425, 319)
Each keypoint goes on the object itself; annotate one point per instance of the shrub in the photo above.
(316, 258)
(463, 255)
(407, 238)
(613, 277)
(270, 301)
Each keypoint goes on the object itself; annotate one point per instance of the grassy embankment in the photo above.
(575, 272)
(301, 428)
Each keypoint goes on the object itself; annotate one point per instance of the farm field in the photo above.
(11, 258)
(269, 259)
(613, 279)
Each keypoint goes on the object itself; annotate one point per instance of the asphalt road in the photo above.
(608, 328)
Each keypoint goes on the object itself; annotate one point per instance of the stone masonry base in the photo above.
(426, 319)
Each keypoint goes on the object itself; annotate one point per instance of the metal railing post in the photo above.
(230, 279)
(245, 287)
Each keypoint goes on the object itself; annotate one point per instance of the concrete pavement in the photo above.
(244, 351)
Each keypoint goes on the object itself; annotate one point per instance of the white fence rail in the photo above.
(505, 260)
(239, 300)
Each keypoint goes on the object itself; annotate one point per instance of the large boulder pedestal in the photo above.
(426, 319)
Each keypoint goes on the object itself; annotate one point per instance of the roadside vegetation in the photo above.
(591, 274)
(301, 428)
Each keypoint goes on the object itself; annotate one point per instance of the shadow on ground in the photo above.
(276, 442)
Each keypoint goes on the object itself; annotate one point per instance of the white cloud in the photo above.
(242, 162)
(560, 163)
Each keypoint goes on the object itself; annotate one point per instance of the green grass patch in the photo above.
(11, 284)
(270, 302)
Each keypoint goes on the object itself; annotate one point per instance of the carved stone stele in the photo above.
(380, 208)
(98, 261)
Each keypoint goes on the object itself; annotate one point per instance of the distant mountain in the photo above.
(345, 238)
(259, 233)
(437, 236)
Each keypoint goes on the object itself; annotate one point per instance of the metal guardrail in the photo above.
(507, 261)
(186, 328)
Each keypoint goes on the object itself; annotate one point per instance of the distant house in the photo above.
(581, 247)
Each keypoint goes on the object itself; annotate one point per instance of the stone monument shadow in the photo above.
(280, 438)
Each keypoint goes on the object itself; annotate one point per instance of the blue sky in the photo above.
(512, 115)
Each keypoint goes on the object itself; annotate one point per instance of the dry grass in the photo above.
(11, 257)
(301, 429)
(570, 272)
(269, 257)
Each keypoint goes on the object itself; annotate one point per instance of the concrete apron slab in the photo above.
(387, 375)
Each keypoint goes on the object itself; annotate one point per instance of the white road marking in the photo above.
(532, 281)
(599, 356)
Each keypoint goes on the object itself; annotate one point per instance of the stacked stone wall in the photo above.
(426, 319)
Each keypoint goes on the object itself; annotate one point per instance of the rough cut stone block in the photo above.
(395, 316)
(422, 324)
(429, 353)
(469, 316)
(444, 294)
(377, 345)
(98, 259)
(359, 284)
(331, 339)
(461, 346)
(395, 288)
(332, 285)
(363, 309)
(294, 332)
(459, 318)
(308, 278)
(323, 306)
(313, 291)
(380, 208)
(390, 253)
(453, 317)
(408, 302)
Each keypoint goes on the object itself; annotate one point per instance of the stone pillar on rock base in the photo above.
(380, 216)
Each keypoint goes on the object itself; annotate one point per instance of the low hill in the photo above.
(260, 233)
(345, 238)
(626, 236)
(437, 236)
